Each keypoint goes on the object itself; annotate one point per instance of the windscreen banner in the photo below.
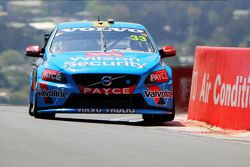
(220, 87)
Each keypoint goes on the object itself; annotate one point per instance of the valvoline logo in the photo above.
(157, 94)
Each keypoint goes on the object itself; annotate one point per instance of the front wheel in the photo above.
(31, 110)
(38, 115)
(158, 117)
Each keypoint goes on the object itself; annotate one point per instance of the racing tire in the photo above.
(38, 115)
(159, 117)
(31, 110)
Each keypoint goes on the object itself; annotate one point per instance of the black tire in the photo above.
(31, 109)
(38, 115)
(160, 117)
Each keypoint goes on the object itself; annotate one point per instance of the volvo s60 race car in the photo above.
(101, 67)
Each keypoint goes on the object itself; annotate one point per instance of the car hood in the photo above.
(104, 62)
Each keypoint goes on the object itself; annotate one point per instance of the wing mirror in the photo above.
(33, 51)
(167, 51)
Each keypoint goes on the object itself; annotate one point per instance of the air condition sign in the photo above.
(220, 89)
(217, 91)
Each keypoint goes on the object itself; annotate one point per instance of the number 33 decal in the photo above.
(138, 38)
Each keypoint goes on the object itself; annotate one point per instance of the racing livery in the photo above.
(101, 67)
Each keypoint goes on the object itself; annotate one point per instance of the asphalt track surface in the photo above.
(107, 141)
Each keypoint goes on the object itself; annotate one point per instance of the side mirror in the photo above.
(167, 51)
(33, 51)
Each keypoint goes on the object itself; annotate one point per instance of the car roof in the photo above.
(91, 24)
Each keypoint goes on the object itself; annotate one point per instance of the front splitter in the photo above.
(105, 111)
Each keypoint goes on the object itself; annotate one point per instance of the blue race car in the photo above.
(101, 67)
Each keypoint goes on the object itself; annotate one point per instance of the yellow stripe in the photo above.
(100, 24)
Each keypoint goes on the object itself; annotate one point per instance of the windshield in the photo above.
(101, 39)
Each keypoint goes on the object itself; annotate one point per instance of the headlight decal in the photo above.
(53, 76)
(158, 77)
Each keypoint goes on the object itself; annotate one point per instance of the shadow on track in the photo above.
(121, 122)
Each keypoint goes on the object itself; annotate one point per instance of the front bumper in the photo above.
(68, 98)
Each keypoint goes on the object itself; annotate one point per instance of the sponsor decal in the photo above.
(159, 94)
(51, 75)
(103, 29)
(152, 89)
(159, 76)
(90, 110)
(46, 100)
(103, 61)
(52, 93)
(106, 91)
(91, 54)
(139, 38)
(216, 90)
(110, 111)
